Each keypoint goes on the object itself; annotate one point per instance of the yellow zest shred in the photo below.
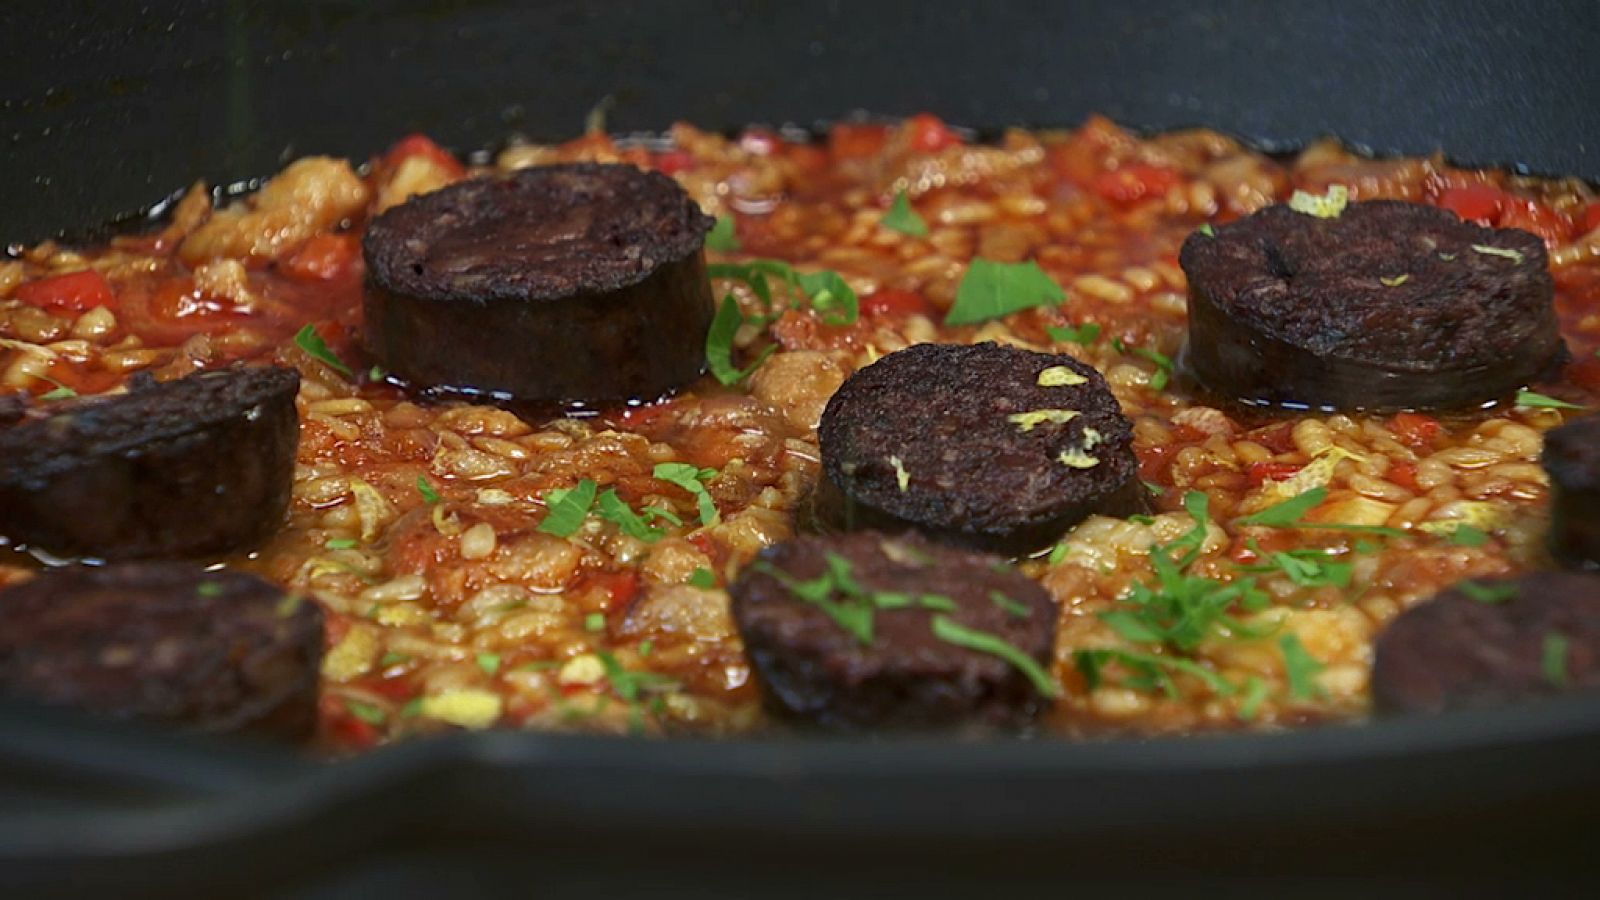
(1060, 376)
(1316, 473)
(901, 476)
(1326, 206)
(1513, 255)
(371, 508)
(1028, 421)
(1477, 513)
(1077, 459)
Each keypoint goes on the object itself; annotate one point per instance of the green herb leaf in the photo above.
(209, 589)
(1255, 692)
(951, 632)
(1058, 553)
(1540, 401)
(568, 508)
(938, 602)
(991, 290)
(1287, 513)
(646, 647)
(312, 343)
(61, 392)
(1300, 667)
(376, 373)
(1150, 671)
(613, 509)
(366, 712)
(412, 709)
(831, 296)
(703, 578)
(691, 479)
(1163, 372)
(1012, 607)
(826, 292)
(341, 543)
(489, 663)
(1466, 535)
(902, 218)
(1490, 594)
(392, 659)
(721, 237)
(429, 495)
(1306, 568)
(1207, 230)
(666, 515)
(594, 622)
(1553, 658)
(1084, 334)
(719, 344)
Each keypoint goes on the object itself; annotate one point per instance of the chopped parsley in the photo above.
(1541, 401)
(60, 392)
(1465, 535)
(951, 632)
(1207, 230)
(341, 543)
(594, 622)
(489, 663)
(1084, 334)
(209, 589)
(703, 578)
(1012, 607)
(721, 237)
(568, 508)
(853, 614)
(393, 659)
(830, 295)
(1255, 692)
(1163, 372)
(376, 373)
(429, 495)
(692, 480)
(1149, 671)
(719, 344)
(1553, 658)
(312, 343)
(1489, 594)
(613, 509)
(1324, 206)
(1300, 667)
(366, 712)
(902, 218)
(991, 290)
(1288, 514)
(1308, 567)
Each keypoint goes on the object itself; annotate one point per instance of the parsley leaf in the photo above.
(951, 632)
(1012, 607)
(312, 343)
(1489, 594)
(1300, 667)
(1288, 513)
(1553, 658)
(691, 479)
(60, 392)
(613, 509)
(340, 543)
(489, 663)
(1307, 568)
(721, 237)
(991, 290)
(829, 294)
(429, 495)
(1163, 372)
(594, 622)
(366, 712)
(719, 344)
(1150, 670)
(902, 218)
(1540, 401)
(1255, 692)
(1466, 535)
(703, 578)
(1084, 334)
(567, 508)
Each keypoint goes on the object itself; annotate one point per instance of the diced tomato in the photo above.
(1277, 438)
(1479, 203)
(1405, 475)
(1590, 220)
(323, 258)
(75, 292)
(1133, 183)
(852, 141)
(397, 689)
(890, 302)
(930, 135)
(620, 586)
(1188, 433)
(672, 162)
(1535, 217)
(1260, 473)
(422, 145)
(1415, 429)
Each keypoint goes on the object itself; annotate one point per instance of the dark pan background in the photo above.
(106, 107)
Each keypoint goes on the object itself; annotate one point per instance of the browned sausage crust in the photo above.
(985, 446)
(194, 467)
(569, 283)
(1572, 458)
(169, 642)
(905, 676)
(1387, 305)
(1490, 642)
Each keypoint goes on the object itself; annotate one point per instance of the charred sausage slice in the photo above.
(1385, 305)
(1488, 642)
(855, 631)
(986, 446)
(167, 642)
(193, 467)
(1572, 458)
(568, 283)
